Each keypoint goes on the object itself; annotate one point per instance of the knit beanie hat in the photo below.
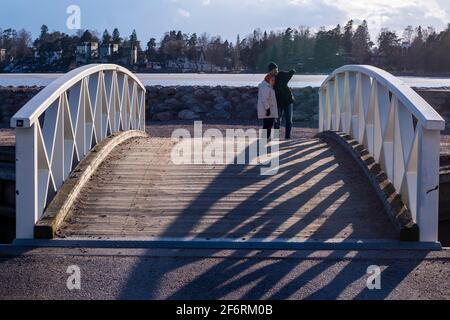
(272, 66)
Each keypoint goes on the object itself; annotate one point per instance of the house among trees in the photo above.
(405, 46)
(49, 57)
(153, 65)
(87, 52)
(107, 50)
(133, 56)
(197, 64)
(2, 55)
(128, 56)
(201, 64)
(418, 50)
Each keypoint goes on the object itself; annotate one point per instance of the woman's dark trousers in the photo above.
(268, 125)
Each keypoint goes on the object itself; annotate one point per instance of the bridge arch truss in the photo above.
(58, 127)
(398, 128)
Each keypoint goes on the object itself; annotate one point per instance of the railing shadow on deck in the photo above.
(265, 274)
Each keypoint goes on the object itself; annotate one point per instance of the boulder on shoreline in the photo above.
(188, 115)
(222, 103)
(207, 102)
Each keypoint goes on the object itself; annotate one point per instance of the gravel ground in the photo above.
(214, 275)
(198, 274)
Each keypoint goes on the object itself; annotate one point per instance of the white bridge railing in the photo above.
(399, 128)
(60, 125)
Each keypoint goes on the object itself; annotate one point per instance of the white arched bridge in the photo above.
(87, 170)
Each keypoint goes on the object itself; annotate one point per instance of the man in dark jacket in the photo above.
(285, 100)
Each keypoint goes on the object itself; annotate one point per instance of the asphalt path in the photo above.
(27, 273)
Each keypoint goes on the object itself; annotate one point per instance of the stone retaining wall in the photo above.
(220, 103)
(211, 103)
(439, 99)
(12, 99)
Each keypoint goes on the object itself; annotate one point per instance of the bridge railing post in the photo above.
(428, 184)
(321, 106)
(26, 182)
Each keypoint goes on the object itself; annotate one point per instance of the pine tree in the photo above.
(134, 39)
(361, 44)
(44, 32)
(237, 54)
(347, 38)
(116, 37)
(106, 39)
(389, 48)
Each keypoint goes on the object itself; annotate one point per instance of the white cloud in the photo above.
(392, 8)
(183, 13)
(214, 16)
(394, 14)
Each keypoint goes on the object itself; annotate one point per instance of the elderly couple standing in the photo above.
(275, 100)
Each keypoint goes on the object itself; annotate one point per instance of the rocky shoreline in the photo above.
(220, 103)
(185, 103)
(12, 99)
(169, 103)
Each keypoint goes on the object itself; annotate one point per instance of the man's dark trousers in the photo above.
(287, 114)
(285, 100)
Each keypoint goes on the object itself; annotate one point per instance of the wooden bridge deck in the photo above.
(138, 193)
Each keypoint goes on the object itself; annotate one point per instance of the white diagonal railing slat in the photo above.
(398, 128)
(59, 126)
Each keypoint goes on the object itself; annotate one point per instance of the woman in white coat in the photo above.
(267, 104)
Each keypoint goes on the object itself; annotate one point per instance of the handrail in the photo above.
(39, 103)
(398, 128)
(58, 127)
(414, 102)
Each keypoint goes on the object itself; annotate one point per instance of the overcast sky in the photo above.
(151, 18)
